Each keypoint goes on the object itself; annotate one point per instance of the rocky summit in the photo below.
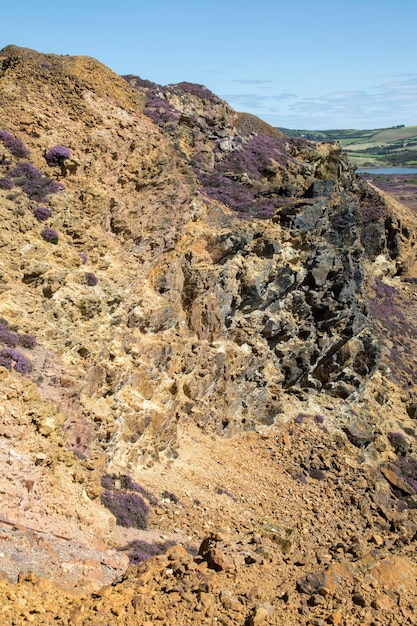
(208, 358)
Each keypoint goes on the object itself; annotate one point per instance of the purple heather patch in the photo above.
(91, 279)
(236, 177)
(121, 497)
(398, 441)
(300, 418)
(129, 509)
(6, 183)
(160, 111)
(371, 206)
(16, 146)
(167, 495)
(12, 339)
(142, 550)
(57, 155)
(125, 482)
(371, 213)
(8, 337)
(200, 91)
(33, 182)
(299, 476)
(27, 341)
(42, 213)
(255, 155)
(13, 358)
(50, 235)
(384, 308)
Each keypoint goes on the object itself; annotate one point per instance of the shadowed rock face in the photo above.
(286, 298)
(277, 302)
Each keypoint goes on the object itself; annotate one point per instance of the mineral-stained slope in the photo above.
(207, 341)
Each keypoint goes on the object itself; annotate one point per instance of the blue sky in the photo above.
(310, 64)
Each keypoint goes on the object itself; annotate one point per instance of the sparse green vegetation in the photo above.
(380, 147)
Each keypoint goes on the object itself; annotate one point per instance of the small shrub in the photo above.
(6, 183)
(129, 509)
(317, 473)
(142, 550)
(299, 419)
(398, 442)
(27, 341)
(91, 279)
(42, 213)
(121, 497)
(299, 476)
(33, 182)
(57, 155)
(13, 358)
(125, 482)
(12, 339)
(83, 258)
(50, 235)
(14, 145)
(167, 495)
(22, 364)
(8, 337)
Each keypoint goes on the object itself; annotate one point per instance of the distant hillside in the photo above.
(378, 147)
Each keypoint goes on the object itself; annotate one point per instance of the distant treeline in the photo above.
(405, 158)
(334, 134)
(392, 146)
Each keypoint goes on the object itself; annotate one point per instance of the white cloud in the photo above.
(252, 81)
(244, 101)
(386, 104)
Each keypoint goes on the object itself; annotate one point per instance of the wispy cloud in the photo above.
(386, 104)
(251, 81)
(241, 101)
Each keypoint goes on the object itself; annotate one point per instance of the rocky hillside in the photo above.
(207, 363)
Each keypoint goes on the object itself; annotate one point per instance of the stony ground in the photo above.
(285, 526)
